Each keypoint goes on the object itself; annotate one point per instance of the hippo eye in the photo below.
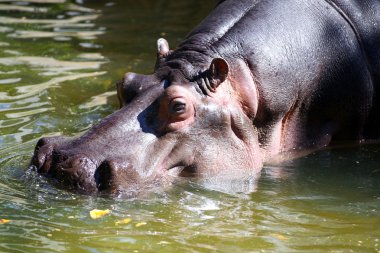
(176, 109)
(177, 106)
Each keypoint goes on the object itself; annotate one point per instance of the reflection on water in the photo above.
(59, 61)
(39, 42)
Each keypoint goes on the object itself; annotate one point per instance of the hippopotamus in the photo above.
(254, 80)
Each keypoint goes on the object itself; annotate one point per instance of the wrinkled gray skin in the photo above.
(253, 80)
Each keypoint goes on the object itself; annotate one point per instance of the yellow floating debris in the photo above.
(124, 221)
(96, 213)
(3, 221)
(140, 224)
(280, 237)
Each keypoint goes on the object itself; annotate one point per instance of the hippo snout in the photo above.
(74, 170)
(79, 171)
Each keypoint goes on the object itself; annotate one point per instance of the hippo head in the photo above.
(169, 125)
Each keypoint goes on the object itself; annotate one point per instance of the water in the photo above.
(59, 62)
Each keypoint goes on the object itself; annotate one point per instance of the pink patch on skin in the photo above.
(175, 121)
(243, 83)
(238, 90)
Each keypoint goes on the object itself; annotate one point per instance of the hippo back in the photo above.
(364, 17)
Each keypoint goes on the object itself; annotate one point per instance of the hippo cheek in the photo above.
(175, 155)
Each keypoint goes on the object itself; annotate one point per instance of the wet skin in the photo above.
(251, 82)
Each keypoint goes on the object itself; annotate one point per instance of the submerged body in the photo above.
(253, 80)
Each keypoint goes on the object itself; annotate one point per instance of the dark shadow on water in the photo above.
(348, 173)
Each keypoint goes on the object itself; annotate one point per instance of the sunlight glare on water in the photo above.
(59, 62)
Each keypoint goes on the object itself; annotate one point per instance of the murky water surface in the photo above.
(59, 62)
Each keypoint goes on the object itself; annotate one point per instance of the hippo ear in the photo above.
(217, 72)
(162, 48)
(162, 51)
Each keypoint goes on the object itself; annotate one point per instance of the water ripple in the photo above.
(35, 89)
(11, 7)
(36, 1)
(10, 80)
(50, 22)
(50, 64)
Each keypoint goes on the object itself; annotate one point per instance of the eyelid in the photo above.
(177, 102)
(177, 98)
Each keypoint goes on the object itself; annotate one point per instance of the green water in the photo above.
(59, 63)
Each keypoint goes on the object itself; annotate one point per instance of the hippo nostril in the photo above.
(103, 176)
(112, 173)
(57, 157)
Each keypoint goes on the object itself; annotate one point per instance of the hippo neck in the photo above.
(227, 15)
